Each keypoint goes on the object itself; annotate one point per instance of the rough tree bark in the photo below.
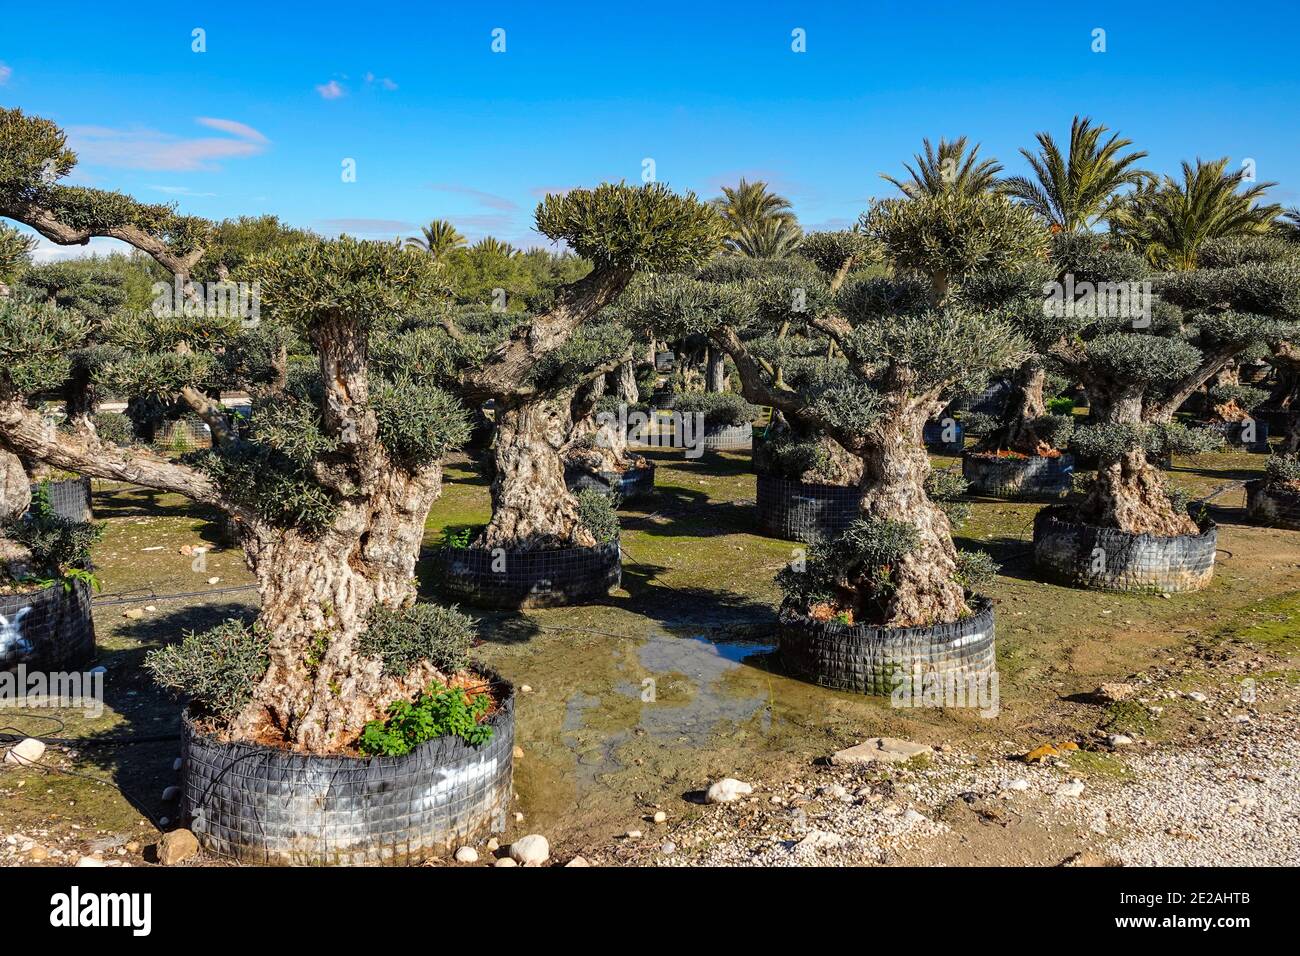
(1025, 406)
(1129, 492)
(531, 506)
(317, 593)
(625, 387)
(592, 444)
(15, 487)
(715, 379)
(895, 466)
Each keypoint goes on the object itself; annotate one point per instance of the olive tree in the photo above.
(1139, 370)
(904, 344)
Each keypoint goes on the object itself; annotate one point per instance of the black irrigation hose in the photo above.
(122, 597)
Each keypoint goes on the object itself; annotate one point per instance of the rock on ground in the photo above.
(531, 850)
(880, 750)
(177, 846)
(727, 790)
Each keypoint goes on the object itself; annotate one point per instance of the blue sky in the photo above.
(440, 126)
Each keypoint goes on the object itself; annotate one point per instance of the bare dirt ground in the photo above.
(693, 625)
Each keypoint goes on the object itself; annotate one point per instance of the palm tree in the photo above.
(768, 239)
(491, 245)
(440, 237)
(1288, 224)
(1169, 223)
(1074, 191)
(757, 219)
(950, 169)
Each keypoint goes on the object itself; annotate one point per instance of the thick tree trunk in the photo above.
(715, 379)
(316, 595)
(895, 466)
(625, 386)
(595, 444)
(1129, 492)
(1025, 407)
(531, 507)
(15, 487)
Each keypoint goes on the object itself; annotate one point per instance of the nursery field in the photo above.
(637, 702)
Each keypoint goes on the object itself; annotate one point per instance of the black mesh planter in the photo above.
(629, 485)
(727, 437)
(1107, 559)
(1031, 477)
(802, 512)
(47, 630)
(935, 437)
(69, 498)
(1273, 506)
(1234, 433)
(489, 577)
(267, 805)
(867, 659)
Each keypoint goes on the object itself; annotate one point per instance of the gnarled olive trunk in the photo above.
(1129, 492)
(895, 466)
(625, 386)
(596, 442)
(15, 487)
(1026, 406)
(531, 507)
(715, 377)
(317, 594)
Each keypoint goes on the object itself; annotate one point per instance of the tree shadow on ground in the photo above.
(136, 754)
(1015, 556)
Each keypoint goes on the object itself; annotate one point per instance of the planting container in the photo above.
(273, 806)
(1031, 477)
(629, 485)
(934, 436)
(47, 630)
(1108, 559)
(69, 498)
(803, 512)
(867, 659)
(493, 577)
(727, 437)
(1272, 505)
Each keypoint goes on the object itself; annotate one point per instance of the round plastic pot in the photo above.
(272, 806)
(933, 436)
(1107, 559)
(803, 512)
(70, 498)
(866, 659)
(512, 579)
(47, 630)
(1032, 477)
(1273, 506)
(629, 485)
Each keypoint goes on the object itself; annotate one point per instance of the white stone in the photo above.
(531, 850)
(467, 854)
(171, 793)
(578, 861)
(660, 816)
(1119, 740)
(633, 834)
(727, 790)
(90, 861)
(27, 751)
(911, 816)
(1197, 696)
(505, 861)
(1018, 785)
(880, 750)
(819, 838)
(1072, 789)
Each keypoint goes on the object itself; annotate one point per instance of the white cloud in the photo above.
(331, 90)
(5, 73)
(385, 82)
(53, 252)
(144, 148)
(179, 191)
(491, 200)
(233, 127)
